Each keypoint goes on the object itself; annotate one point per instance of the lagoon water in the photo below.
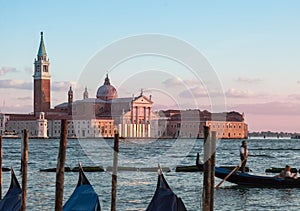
(135, 189)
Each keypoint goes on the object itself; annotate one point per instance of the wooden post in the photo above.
(60, 169)
(114, 173)
(24, 166)
(209, 169)
(212, 168)
(206, 172)
(0, 167)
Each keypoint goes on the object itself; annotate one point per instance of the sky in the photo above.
(251, 49)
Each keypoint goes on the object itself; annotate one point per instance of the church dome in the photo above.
(107, 91)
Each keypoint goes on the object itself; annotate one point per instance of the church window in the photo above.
(45, 68)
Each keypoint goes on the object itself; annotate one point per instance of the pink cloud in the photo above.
(61, 86)
(238, 93)
(270, 108)
(248, 80)
(198, 91)
(5, 70)
(294, 96)
(175, 81)
(16, 84)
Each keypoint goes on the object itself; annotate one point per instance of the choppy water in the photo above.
(135, 189)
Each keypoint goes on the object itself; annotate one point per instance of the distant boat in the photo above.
(295, 137)
(84, 196)
(12, 199)
(8, 134)
(164, 199)
(250, 180)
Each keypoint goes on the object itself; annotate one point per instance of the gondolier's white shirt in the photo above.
(243, 151)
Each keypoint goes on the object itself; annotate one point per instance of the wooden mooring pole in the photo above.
(114, 174)
(212, 168)
(0, 167)
(60, 170)
(24, 167)
(209, 170)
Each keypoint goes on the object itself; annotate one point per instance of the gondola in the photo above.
(250, 180)
(164, 199)
(84, 196)
(12, 199)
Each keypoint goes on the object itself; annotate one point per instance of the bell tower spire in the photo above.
(41, 79)
(42, 55)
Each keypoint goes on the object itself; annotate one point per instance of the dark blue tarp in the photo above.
(164, 199)
(12, 199)
(84, 196)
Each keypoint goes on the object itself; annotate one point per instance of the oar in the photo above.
(236, 168)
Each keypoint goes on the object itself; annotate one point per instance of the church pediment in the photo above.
(142, 100)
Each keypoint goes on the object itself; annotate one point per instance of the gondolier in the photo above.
(244, 153)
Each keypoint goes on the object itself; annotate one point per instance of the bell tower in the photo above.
(41, 79)
(70, 100)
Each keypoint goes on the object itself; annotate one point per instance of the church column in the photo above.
(137, 115)
(145, 115)
(149, 114)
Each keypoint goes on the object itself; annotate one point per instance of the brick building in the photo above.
(189, 124)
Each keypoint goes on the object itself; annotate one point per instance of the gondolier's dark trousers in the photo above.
(243, 167)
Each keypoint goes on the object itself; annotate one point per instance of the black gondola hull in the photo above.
(249, 180)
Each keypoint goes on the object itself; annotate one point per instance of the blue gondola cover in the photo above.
(84, 196)
(12, 199)
(164, 199)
